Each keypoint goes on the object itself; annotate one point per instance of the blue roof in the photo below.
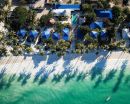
(33, 33)
(46, 34)
(65, 33)
(22, 32)
(66, 6)
(104, 13)
(94, 34)
(56, 36)
(97, 24)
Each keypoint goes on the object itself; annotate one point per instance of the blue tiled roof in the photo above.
(104, 13)
(66, 6)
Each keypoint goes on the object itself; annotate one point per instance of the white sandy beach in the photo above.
(54, 65)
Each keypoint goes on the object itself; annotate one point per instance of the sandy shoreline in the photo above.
(53, 65)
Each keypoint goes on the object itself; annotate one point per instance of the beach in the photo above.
(82, 63)
(72, 79)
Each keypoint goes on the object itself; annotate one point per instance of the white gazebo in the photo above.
(125, 33)
(126, 36)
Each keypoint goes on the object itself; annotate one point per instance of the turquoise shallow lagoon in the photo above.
(76, 90)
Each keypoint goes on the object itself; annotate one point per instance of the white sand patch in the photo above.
(2, 28)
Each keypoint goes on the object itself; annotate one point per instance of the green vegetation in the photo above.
(29, 50)
(3, 51)
(62, 46)
(23, 17)
(116, 14)
(84, 29)
(87, 8)
(21, 14)
(45, 19)
(27, 1)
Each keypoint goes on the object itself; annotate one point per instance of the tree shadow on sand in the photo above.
(81, 76)
(98, 81)
(52, 58)
(110, 76)
(58, 77)
(68, 58)
(44, 77)
(127, 80)
(67, 73)
(98, 68)
(21, 76)
(10, 80)
(2, 73)
(37, 59)
(38, 74)
(121, 75)
(25, 79)
(2, 80)
(70, 76)
(91, 57)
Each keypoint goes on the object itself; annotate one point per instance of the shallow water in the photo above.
(77, 90)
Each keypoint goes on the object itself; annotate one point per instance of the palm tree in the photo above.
(3, 51)
(1, 36)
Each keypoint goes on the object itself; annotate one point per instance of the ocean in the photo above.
(113, 88)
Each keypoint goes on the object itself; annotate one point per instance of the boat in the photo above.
(108, 98)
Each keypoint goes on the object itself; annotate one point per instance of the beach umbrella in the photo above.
(46, 34)
(103, 33)
(125, 33)
(33, 33)
(21, 32)
(65, 32)
(52, 21)
(56, 36)
(94, 34)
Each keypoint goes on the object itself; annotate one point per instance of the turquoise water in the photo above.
(76, 90)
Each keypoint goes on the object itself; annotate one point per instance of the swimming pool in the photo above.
(74, 19)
